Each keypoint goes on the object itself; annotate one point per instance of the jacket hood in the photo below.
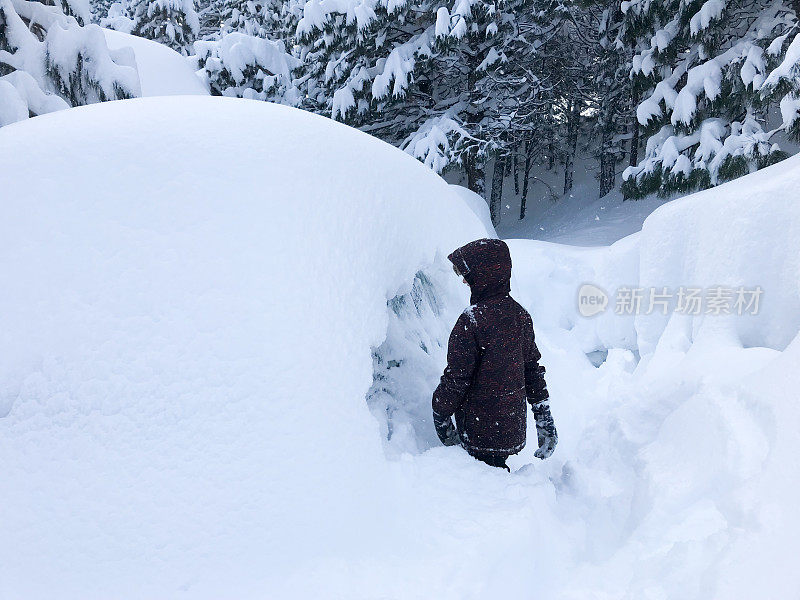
(486, 265)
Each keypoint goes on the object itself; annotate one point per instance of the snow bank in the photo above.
(478, 205)
(162, 71)
(683, 464)
(745, 234)
(192, 298)
(742, 234)
(550, 276)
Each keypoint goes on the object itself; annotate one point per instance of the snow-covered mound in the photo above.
(193, 290)
(478, 205)
(745, 234)
(685, 439)
(162, 71)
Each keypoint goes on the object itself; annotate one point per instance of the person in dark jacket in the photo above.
(492, 365)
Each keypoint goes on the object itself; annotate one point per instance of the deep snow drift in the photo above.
(194, 292)
(162, 71)
(220, 329)
(700, 435)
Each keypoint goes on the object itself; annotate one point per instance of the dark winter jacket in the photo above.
(492, 358)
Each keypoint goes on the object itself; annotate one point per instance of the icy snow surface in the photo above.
(220, 325)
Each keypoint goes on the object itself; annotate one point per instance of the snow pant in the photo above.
(492, 460)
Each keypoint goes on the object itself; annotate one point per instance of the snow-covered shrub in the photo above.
(170, 22)
(117, 18)
(245, 66)
(80, 9)
(49, 60)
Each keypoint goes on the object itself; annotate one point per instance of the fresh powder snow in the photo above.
(221, 323)
(162, 71)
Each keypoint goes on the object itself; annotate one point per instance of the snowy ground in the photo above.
(579, 218)
(216, 358)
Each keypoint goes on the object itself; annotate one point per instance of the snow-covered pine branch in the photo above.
(173, 23)
(245, 66)
(50, 60)
(707, 66)
(441, 74)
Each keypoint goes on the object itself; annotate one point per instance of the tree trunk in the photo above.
(474, 165)
(608, 172)
(496, 197)
(796, 8)
(608, 158)
(634, 155)
(573, 127)
(526, 174)
(515, 168)
(475, 174)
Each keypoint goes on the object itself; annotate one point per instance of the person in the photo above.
(492, 365)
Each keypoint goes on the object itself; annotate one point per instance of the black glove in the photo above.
(446, 430)
(545, 430)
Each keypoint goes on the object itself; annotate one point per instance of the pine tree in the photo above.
(50, 60)
(259, 18)
(612, 95)
(274, 20)
(173, 23)
(209, 14)
(403, 72)
(245, 66)
(456, 86)
(782, 85)
(99, 9)
(703, 64)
